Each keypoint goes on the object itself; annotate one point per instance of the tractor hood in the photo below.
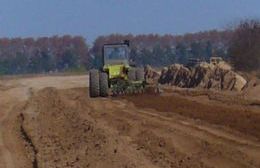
(116, 71)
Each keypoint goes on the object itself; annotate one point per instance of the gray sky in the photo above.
(90, 18)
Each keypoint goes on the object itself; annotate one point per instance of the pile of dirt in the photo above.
(151, 74)
(252, 89)
(207, 76)
(176, 75)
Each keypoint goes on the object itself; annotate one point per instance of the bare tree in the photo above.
(245, 46)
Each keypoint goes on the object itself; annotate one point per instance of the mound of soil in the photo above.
(205, 76)
(151, 74)
(252, 90)
(253, 93)
(176, 75)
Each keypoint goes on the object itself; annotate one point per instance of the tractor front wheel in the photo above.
(94, 83)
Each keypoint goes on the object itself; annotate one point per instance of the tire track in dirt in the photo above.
(5, 154)
(222, 148)
(15, 91)
(65, 135)
(237, 118)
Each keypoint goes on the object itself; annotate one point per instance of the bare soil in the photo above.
(51, 122)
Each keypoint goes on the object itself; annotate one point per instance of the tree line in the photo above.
(240, 46)
(41, 55)
(244, 50)
(159, 50)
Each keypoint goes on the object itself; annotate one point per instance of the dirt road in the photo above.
(13, 92)
(51, 122)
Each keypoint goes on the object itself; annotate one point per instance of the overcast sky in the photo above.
(90, 18)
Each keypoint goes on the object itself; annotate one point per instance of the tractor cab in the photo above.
(115, 54)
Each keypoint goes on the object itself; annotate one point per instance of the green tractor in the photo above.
(118, 75)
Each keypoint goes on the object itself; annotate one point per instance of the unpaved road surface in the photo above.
(51, 122)
(13, 93)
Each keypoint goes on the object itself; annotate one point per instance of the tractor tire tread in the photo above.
(104, 87)
(94, 83)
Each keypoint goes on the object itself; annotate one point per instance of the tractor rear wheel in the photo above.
(103, 81)
(94, 83)
(140, 74)
(131, 74)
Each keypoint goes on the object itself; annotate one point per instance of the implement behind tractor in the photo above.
(116, 75)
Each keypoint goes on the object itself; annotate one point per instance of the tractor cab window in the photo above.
(115, 54)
